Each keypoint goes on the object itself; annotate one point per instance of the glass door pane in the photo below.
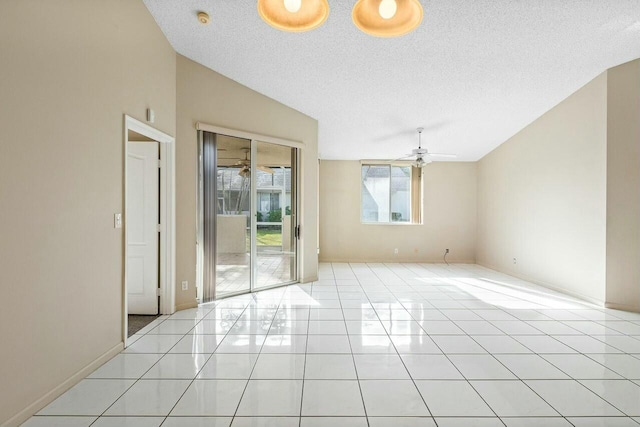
(276, 222)
(233, 215)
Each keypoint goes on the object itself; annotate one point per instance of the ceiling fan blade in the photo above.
(453, 156)
(266, 169)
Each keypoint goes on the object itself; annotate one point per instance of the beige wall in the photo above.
(70, 70)
(542, 197)
(623, 187)
(206, 96)
(68, 78)
(449, 212)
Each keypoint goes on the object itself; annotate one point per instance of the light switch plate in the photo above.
(117, 220)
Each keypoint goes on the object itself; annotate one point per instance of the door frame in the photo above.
(167, 257)
(254, 138)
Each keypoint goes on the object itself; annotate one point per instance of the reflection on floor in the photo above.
(373, 345)
(233, 270)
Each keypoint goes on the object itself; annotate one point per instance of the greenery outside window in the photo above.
(391, 193)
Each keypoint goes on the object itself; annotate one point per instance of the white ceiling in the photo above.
(473, 74)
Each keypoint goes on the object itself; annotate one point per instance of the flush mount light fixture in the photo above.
(294, 15)
(387, 18)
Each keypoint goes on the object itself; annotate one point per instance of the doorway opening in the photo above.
(136, 323)
(149, 211)
(247, 215)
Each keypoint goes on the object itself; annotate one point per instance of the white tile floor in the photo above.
(233, 273)
(373, 345)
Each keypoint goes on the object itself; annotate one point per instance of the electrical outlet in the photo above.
(185, 285)
(515, 261)
(395, 251)
(446, 251)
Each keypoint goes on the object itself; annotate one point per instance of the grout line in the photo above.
(246, 386)
(501, 364)
(353, 358)
(398, 287)
(523, 381)
(207, 361)
(304, 369)
(402, 360)
(453, 364)
(141, 376)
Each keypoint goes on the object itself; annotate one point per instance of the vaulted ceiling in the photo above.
(473, 74)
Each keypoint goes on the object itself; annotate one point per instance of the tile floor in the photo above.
(373, 345)
(274, 267)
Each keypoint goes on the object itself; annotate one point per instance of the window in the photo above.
(390, 194)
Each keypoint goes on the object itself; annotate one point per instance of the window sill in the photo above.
(393, 224)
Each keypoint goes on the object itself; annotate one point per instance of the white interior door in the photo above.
(142, 227)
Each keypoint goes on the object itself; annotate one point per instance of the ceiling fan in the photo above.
(422, 156)
(245, 165)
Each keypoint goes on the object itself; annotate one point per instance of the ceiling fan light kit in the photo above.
(421, 162)
(422, 156)
(380, 18)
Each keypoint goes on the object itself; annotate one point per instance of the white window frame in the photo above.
(412, 199)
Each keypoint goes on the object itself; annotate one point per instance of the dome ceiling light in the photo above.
(381, 18)
(387, 18)
(294, 15)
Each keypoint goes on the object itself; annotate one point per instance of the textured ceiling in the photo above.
(473, 74)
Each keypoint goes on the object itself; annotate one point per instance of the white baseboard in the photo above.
(623, 307)
(399, 260)
(578, 295)
(33, 408)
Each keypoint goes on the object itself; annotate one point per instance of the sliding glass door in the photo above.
(247, 216)
(275, 215)
(233, 216)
